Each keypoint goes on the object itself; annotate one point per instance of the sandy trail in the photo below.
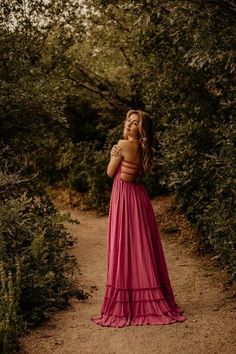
(210, 326)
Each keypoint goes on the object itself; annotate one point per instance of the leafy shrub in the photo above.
(33, 248)
(35, 267)
(199, 162)
(10, 320)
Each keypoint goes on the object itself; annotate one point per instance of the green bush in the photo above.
(199, 162)
(10, 319)
(35, 267)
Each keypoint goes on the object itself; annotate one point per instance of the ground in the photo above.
(197, 282)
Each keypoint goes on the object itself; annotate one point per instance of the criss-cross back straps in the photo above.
(132, 163)
(132, 166)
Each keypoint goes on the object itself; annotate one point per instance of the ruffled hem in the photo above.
(113, 321)
(137, 307)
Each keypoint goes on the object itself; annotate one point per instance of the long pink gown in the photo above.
(138, 289)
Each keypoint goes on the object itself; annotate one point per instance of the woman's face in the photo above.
(131, 128)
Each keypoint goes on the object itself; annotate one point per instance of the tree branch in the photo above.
(126, 57)
(110, 96)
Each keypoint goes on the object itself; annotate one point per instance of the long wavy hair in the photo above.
(146, 137)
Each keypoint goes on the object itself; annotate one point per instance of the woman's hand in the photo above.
(115, 159)
(116, 151)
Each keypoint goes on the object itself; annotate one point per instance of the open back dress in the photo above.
(137, 289)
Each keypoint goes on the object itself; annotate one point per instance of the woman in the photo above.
(138, 289)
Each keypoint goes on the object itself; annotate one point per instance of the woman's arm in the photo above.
(115, 159)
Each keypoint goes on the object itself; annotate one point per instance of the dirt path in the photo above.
(211, 322)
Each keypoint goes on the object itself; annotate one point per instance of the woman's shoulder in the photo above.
(123, 143)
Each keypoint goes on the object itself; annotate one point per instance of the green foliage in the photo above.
(88, 175)
(35, 268)
(34, 82)
(33, 252)
(199, 161)
(10, 320)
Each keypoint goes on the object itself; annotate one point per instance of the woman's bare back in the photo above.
(131, 162)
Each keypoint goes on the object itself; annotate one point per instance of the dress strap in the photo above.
(132, 163)
(132, 167)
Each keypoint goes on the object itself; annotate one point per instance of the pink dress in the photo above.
(138, 289)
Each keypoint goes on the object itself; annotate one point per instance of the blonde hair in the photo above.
(146, 137)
